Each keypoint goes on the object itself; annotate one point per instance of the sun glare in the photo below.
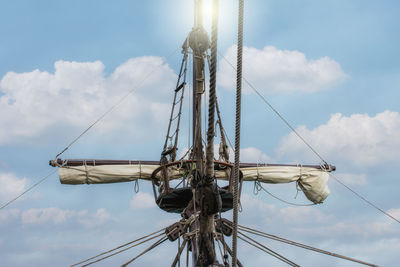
(207, 11)
(225, 14)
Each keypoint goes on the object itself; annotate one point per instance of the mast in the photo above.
(198, 41)
(206, 200)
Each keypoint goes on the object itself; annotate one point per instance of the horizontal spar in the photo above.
(312, 179)
(97, 162)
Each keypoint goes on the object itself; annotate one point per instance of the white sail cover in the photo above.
(103, 174)
(312, 181)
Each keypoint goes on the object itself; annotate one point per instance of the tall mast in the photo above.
(206, 193)
(199, 44)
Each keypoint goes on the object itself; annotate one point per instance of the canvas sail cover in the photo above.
(312, 181)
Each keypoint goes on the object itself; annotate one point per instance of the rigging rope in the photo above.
(229, 251)
(87, 129)
(122, 250)
(258, 187)
(267, 250)
(212, 94)
(276, 111)
(305, 142)
(27, 190)
(297, 244)
(160, 241)
(116, 104)
(366, 200)
(237, 132)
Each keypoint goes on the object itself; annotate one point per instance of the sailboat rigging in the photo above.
(198, 194)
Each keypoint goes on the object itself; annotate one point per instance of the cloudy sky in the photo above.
(330, 67)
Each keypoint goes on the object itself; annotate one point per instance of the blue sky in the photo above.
(330, 67)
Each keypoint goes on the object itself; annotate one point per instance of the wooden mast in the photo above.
(205, 200)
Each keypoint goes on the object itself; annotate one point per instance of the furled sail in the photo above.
(104, 174)
(312, 180)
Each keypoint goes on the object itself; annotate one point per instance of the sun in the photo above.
(225, 12)
(208, 10)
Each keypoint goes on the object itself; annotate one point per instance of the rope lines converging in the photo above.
(160, 241)
(269, 251)
(29, 189)
(121, 248)
(297, 244)
(308, 144)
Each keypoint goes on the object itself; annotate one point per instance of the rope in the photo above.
(366, 200)
(258, 187)
(212, 97)
(237, 132)
(276, 111)
(230, 251)
(312, 149)
(189, 102)
(220, 251)
(178, 254)
(27, 190)
(160, 241)
(267, 250)
(121, 246)
(290, 242)
(114, 106)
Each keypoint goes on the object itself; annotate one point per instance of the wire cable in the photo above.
(115, 105)
(29, 189)
(267, 250)
(276, 111)
(121, 246)
(366, 200)
(120, 251)
(309, 146)
(160, 241)
(297, 244)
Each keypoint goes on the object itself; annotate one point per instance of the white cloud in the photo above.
(41, 216)
(301, 215)
(77, 93)
(142, 201)
(352, 179)
(255, 204)
(101, 216)
(248, 154)
(359, 138)
(11, 186)
(274, 70)
(59, 216)
(7, 215)
(252, 154)
(345, 229)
